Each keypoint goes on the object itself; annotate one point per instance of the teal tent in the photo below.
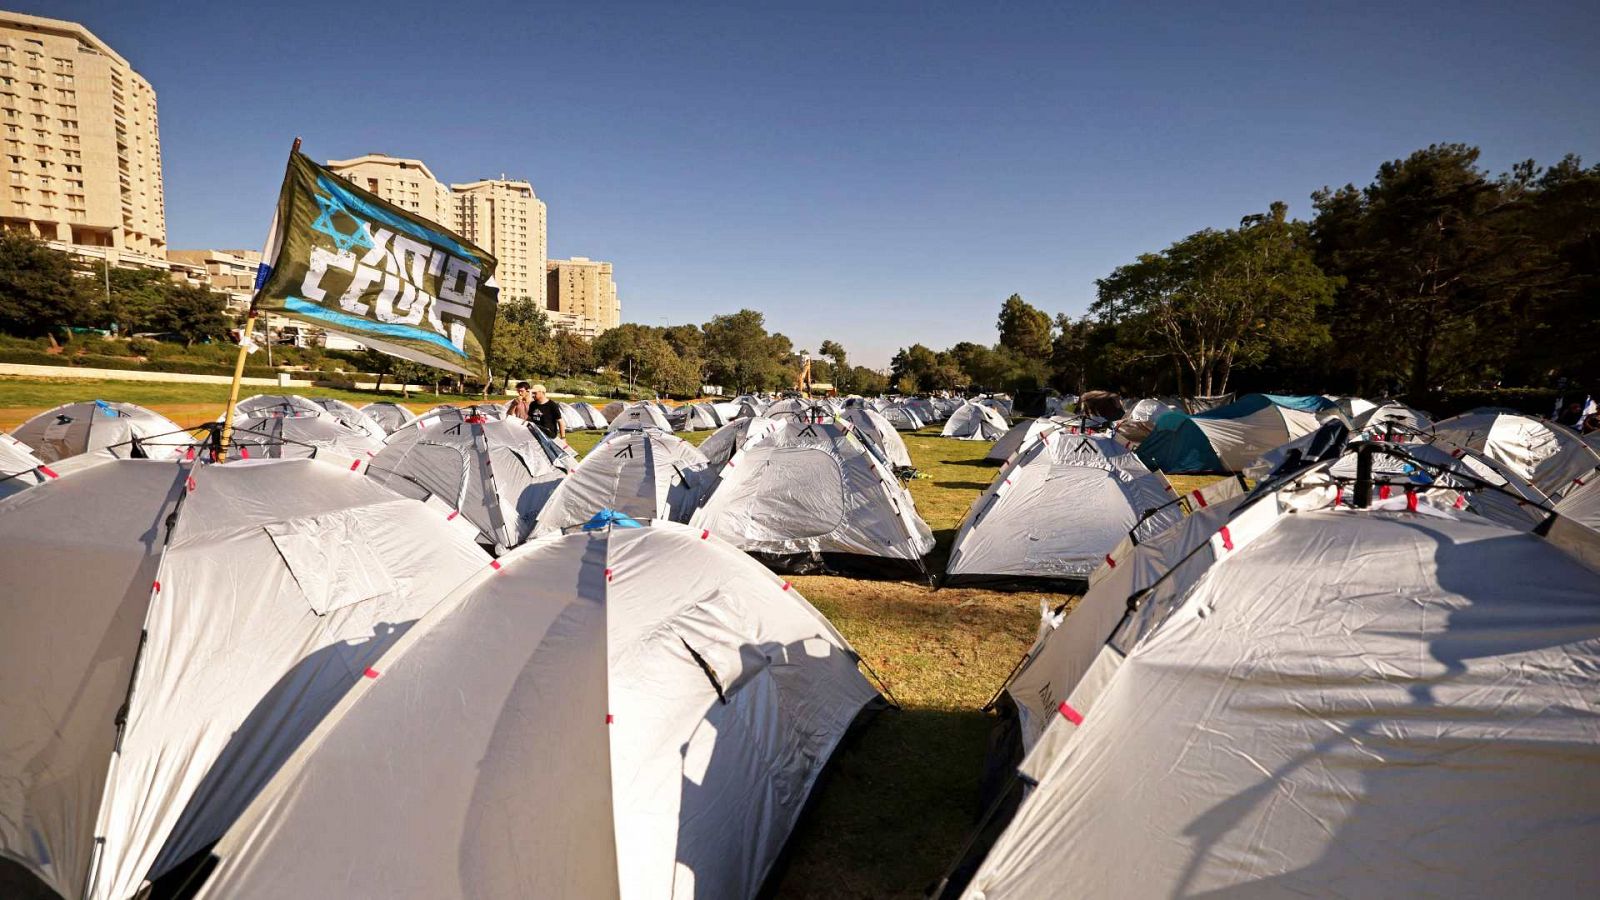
(1228, 438)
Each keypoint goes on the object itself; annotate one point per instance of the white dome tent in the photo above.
(1056, 510)
(1414, 747)
(639, 415)
(811, 495)
(354, 418)
(245, 621)
(495, 473)
(644, 474)
(975, 422)
(1551, 456)
(649, 712)
(122, 430)
(390, 416)
(871, 425)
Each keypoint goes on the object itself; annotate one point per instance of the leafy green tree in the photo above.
(574, 355)
(634, 351)
(1217, 299)
(1024, 329)
(402, 371)
(916, 363)
(40, 291)
(1433, 253)
(522, 345)
(840, 371)
(135, 298)
(741, 356)
(193, 313)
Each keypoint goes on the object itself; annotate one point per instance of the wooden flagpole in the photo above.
(221, 453)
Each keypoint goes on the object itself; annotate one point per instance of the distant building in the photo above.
(581, 297)
(82, 146)
(231, 272)
(505, 218)
(407, 183)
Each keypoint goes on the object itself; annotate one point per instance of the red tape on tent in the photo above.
(705, 534)
(48, 472)
(355, 464)
(1227, 539)
(1110, 562)
(1200, 499)
(452, 516)
(244, 452)
(1070, 714)
(787, 585)
(370, 672)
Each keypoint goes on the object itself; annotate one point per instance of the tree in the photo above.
(1432, 254)
(522, 345)
(1218, 299)
(40, 290)
(843, 376)
(573, 354)
(135, 300)
(193, 313)
(916, 363)
(404, 371)
(1024, 329)
(741, 356)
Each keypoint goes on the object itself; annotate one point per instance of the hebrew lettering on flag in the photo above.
(347, 261)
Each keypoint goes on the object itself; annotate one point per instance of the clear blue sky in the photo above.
(877, 173)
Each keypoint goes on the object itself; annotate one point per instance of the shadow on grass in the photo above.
(980, 462)
(962, 485)
(894, 810)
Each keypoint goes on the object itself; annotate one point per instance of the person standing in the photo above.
(522, 405)
(545, 413)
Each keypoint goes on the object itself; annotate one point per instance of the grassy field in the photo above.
(903, 797)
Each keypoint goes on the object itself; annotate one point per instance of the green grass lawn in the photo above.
(900, 800)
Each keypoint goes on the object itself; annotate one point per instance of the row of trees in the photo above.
(1435, 277)
(44, 292)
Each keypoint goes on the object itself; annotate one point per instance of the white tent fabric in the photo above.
(639, 415)
(352, 417)
(1057, 509)
(975, 422)
(809, 410)
(18, 465)
(902, 417)
(1582, 504)
(811, 489)
(871, 424)
(446, 412)
(641, 473)
(1141, 419)
(1332, 740)
(570, 418)
(1000, 403)
(695, 417)
(1239, 442)
(391, 416)
(1391, 412)
(592, 419)
(277, 585)
(649, 711)
(497, 473)
(321, 436)
(277, 405)
(1019, 437)
(1549, 455)
(730, 438)
(123, 430)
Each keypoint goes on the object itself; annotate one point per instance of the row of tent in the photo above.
(803, 489)
(1069, 490)
(1368, 676)
(277, 678)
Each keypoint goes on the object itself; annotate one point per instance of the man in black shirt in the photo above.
(538, 409)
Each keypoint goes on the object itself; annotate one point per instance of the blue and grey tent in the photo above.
(1229, 438)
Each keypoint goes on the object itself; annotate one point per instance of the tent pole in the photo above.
(233, 391)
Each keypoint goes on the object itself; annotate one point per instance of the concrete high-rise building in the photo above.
(231, 272)
(582, 298)
(82, 147)
(506, 219)
(407, 183)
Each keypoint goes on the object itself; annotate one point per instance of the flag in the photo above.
(349, 262)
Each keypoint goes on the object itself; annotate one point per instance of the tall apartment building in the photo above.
(407, 183)
(581, 297)
(506, 219)
(82, 147)
(231, 272)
